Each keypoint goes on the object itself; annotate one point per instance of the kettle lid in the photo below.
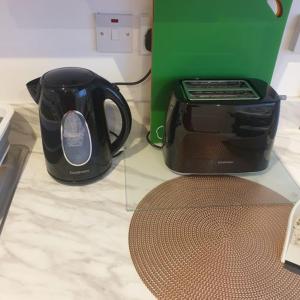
(67, 77)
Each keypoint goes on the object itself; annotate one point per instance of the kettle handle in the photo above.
(112, 93)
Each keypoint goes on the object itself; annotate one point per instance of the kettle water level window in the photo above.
(76, 139)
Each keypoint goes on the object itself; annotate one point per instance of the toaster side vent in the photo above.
(204, 90)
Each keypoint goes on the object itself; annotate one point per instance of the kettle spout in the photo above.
(34, 88)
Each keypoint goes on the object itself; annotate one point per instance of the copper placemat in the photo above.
(226, 251)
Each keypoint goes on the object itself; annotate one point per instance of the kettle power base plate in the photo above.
(230, 251)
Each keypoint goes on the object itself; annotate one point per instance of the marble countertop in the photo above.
(287, 143)
(66, 242)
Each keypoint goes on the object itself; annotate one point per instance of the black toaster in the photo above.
(220, 126)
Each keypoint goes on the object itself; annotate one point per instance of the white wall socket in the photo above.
(145, 25)
(295, 39)
(114, 33)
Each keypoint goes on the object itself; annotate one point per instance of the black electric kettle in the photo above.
(74, 130)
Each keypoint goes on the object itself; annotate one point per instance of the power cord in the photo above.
(152, 144)
(135, 82)
(148, 46)
(147, 138)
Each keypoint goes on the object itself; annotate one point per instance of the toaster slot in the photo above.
(201, 90)
(223, 95)
(197, 84)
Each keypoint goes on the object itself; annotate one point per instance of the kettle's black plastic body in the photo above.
(74, 130)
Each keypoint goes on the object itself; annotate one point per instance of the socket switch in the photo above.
(114, 33)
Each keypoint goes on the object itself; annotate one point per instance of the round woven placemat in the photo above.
(212, 238)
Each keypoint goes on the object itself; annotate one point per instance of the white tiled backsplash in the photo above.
(38, 35)
(286, 77)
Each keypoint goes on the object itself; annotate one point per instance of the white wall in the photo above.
(38, 35)
(286, 78)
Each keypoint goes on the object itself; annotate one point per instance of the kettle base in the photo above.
(81, 182)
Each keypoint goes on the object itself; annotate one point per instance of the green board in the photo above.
(211, 39)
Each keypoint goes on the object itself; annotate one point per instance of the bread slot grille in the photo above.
(201, 90)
